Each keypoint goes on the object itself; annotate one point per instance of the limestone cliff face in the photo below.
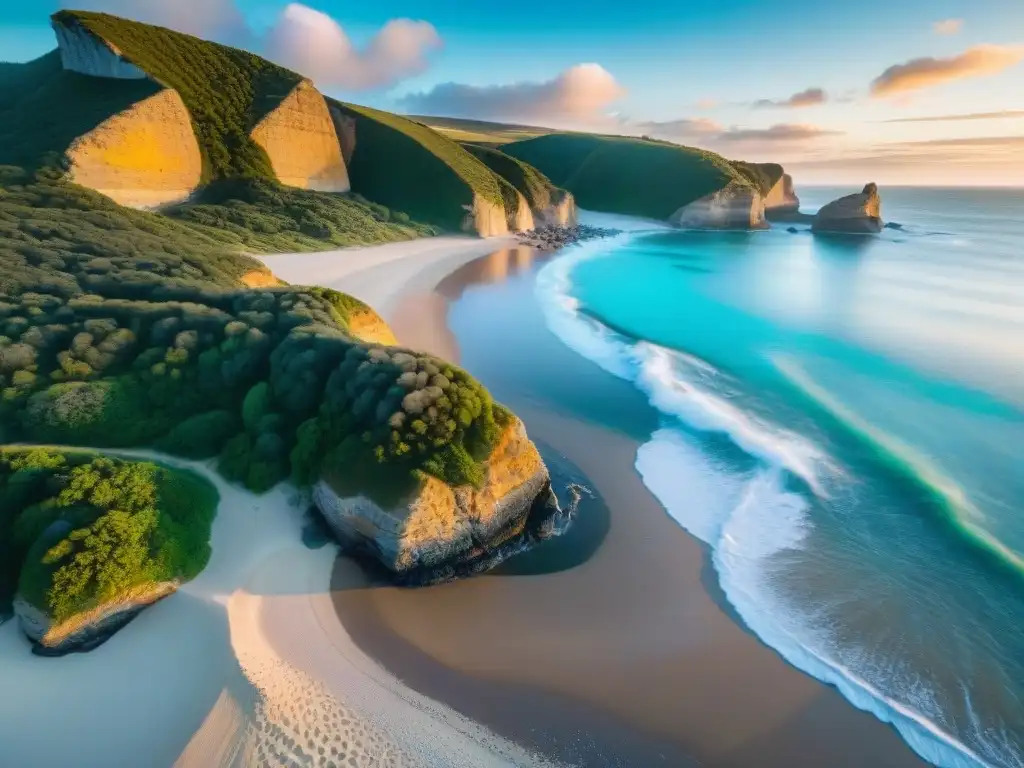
(345, 127)
(90, 629)
(368, 326)
(441, 526)
(561, 213)
(734, 207)
(88, 55)
(522, 220)
(856, 214)
(300, 138)
(782, 197)
(485, 218)
(143, 157)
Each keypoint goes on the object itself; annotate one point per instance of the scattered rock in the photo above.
(792, 230)
(893, 225)
(857, 214)
(553, 238)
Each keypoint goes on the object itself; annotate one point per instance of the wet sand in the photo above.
(631, 658)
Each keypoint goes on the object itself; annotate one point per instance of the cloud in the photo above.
(220, 19)
(315, 45)
(811, 97)
(776, 133)
(948, 26)
(1007, 114)
(691, 128)
(969, 141)
(927, 72)
(580, 93)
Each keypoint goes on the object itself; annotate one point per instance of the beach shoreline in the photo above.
(638, 641)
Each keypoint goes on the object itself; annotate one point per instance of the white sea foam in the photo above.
(746, 518)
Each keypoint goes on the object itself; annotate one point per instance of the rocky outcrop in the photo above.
(82, 52)
(485, 218)
(733, 207)
(300, 138)
(366, 325)
(142, 157)
(560, 213)
(782, 197)
(87, 630)
(439, 529)
(857, 214)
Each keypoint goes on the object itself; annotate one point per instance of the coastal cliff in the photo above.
(782, 197)
(142, 157)
(302, 142)
(734, 207)
(438, 528)
(83, 52)
(856, 214)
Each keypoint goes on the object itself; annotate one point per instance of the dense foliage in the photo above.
(408, 166)
(227, 91)
(615, 174)
(531, 183)
(78, 530)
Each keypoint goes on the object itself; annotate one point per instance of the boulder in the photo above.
(857, 214)
(89, 629)
(439, 529)
(734, 207)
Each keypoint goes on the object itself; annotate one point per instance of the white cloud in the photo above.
(580, 93)
(315, 45)
(948, 26)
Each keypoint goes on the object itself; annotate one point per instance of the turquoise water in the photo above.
(842, 422)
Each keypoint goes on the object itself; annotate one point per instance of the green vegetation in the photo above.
(531, 183)
(227, 91)
(481, 131)
(78, 530)
(408, 166)
(763, 176)
(615, 174)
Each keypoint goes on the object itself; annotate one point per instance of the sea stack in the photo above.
(857, 214)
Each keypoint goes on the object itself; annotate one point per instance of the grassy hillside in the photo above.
(763, 176)
(481, 131)
(226, 90)
(616, 174)
(531, 183)
(406, 165)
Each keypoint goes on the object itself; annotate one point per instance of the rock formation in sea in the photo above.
(857, 214)
(782, 198)
(733, 207)
(439, 531)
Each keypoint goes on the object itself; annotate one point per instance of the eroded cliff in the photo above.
(856, 214)
(82, 52)
(143, 157)
(733, 207)
(300, 138)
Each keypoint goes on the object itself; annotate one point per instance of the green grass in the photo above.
(481, 131)
(638, 177)
(407, 166)
(531, 183)
(226, 90)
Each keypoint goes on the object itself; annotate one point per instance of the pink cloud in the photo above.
(927, 72)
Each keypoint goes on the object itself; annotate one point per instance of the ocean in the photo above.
(841, 421)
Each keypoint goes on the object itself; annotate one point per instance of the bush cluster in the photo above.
(77, 529)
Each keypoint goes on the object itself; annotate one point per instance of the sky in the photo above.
(891, 91)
